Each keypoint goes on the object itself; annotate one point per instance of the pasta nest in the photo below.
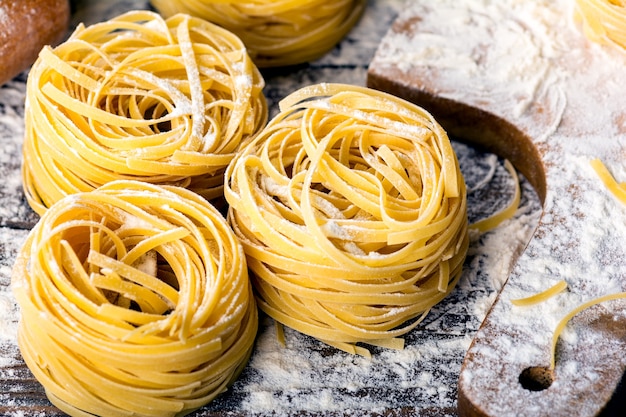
(139, 98)
(277, 33)
(603, 21)
(351, 209)
(135, 300)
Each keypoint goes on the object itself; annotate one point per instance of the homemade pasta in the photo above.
(565, 320)
(135, 301)
(541, 296)
(617, 189)
(139, 98)
(506, 213)
(277, 33)
(603, 21)
(351, 209)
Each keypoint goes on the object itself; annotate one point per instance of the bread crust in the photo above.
(25, 27)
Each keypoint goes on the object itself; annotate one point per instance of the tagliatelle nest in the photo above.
(351, 209)
(139, 98)
(135, 300)
(277, 33)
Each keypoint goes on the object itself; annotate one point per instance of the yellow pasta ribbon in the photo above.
(617, 189)
(139, 98)
(135, 301)
(561, 325)
(276, 33)
(351, 209)
(542, 296)
(507, 212)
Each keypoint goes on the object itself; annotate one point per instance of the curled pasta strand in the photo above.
(506, 213)
(139, 98)
(541, 296)
(617, 189)
(135, 300)
(568, 317)
(277, 33)
(344, 209)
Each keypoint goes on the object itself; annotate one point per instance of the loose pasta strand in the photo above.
(561, 325)
(508, 211)
(619, 191)
(542, 296)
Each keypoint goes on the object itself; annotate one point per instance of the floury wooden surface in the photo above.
(304, 377)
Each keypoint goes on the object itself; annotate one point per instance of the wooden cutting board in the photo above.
(523, 81)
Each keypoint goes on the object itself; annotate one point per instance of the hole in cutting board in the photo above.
(536, 378)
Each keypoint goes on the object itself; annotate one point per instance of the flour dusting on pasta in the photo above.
(369, 228)
(138, 97)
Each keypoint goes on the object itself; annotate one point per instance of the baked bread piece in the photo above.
(25, 27)
(521, 79)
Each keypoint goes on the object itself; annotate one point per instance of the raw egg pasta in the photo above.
(139, 98)
(506, 213)
(277, 33)
(565, 320)
(541, 296)
(603, 21)
(617, 189)
(135, 301)
(351, 209)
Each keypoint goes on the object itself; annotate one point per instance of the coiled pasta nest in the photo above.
(135, 300)
(351, 209)
(277, 33)
(139, 98)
